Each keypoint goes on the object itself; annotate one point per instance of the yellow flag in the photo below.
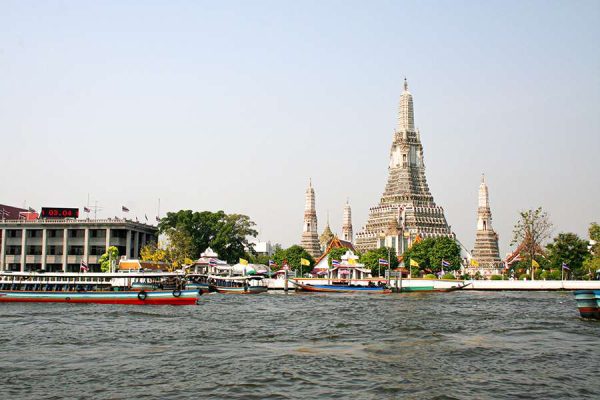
(535, 264)
(413, 263)
(243, 262)
(351, 261)
(304, 261)
(474, 262)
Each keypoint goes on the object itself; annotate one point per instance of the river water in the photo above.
(463, 345)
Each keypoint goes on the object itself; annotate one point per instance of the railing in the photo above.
(71, 221)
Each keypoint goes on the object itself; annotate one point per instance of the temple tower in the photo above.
(406, 202)
(347, 233)
(486, 250)
(327, 236)
(310, 237)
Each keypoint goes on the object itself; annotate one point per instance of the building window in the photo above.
(97, 250)
(13, 250)
(55, 250)
(34, 250)
(75, 250)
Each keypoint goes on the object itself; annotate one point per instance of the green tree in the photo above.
(371, 259)
(293, 255)
(112, 254)
(570, 249)
(226, 234)
(430, 252)
(419, 252)
(532, 228)
(594, 232)
(444, 248)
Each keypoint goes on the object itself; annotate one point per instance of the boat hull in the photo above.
(342, 289)
(183, 297)
(203, 287)
(588, 303)
(242, 290)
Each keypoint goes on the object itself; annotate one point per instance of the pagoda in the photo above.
(310, 237)
(485, 251)
(406, 209)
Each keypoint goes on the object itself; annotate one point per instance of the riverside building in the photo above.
(406, 210)
(63, 244)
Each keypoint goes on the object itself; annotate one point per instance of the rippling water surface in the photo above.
(448, 345)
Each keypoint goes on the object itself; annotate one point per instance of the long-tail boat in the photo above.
(342, 287)
(588, 303)
(139, 288)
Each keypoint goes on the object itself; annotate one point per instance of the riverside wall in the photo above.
(278, 284)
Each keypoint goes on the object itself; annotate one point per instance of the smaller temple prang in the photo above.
(347, 233)
(310, 237)
(485, 251)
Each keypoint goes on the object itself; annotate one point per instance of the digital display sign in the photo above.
(59, 212)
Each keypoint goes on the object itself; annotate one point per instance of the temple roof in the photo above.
(335, 243)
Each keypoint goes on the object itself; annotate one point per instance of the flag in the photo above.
(86, 210)
(445, 263)
(285, 265)
(335, 263)
(84, 267)
(474, 262)
(212, 262)
(146, 215)
(243, 262)
(272, 263)
(351, 261)
(534, 263)
(304, 261)
(383, 261)
(124, 209)
(413, 263)
(566, 266)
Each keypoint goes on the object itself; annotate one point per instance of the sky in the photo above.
(234, 105)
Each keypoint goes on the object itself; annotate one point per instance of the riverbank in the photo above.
(437, 284)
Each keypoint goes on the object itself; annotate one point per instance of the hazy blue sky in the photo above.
(234, 105)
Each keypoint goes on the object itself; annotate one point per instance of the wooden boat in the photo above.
(239, 284)
(103, 288)
(342, 287)
(588, 303)
(429, 288)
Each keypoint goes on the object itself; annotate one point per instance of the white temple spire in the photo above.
(406, 114)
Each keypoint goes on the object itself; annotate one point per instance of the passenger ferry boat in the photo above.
(199, 282)
(238, 284)
(105, 288)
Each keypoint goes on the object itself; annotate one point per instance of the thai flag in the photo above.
(124, 209)
(84, 267)
(565, 266)
(212, 262)
(383, 261)
(86, 210)
(335, 263)
(445, 263)
(272, 263)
